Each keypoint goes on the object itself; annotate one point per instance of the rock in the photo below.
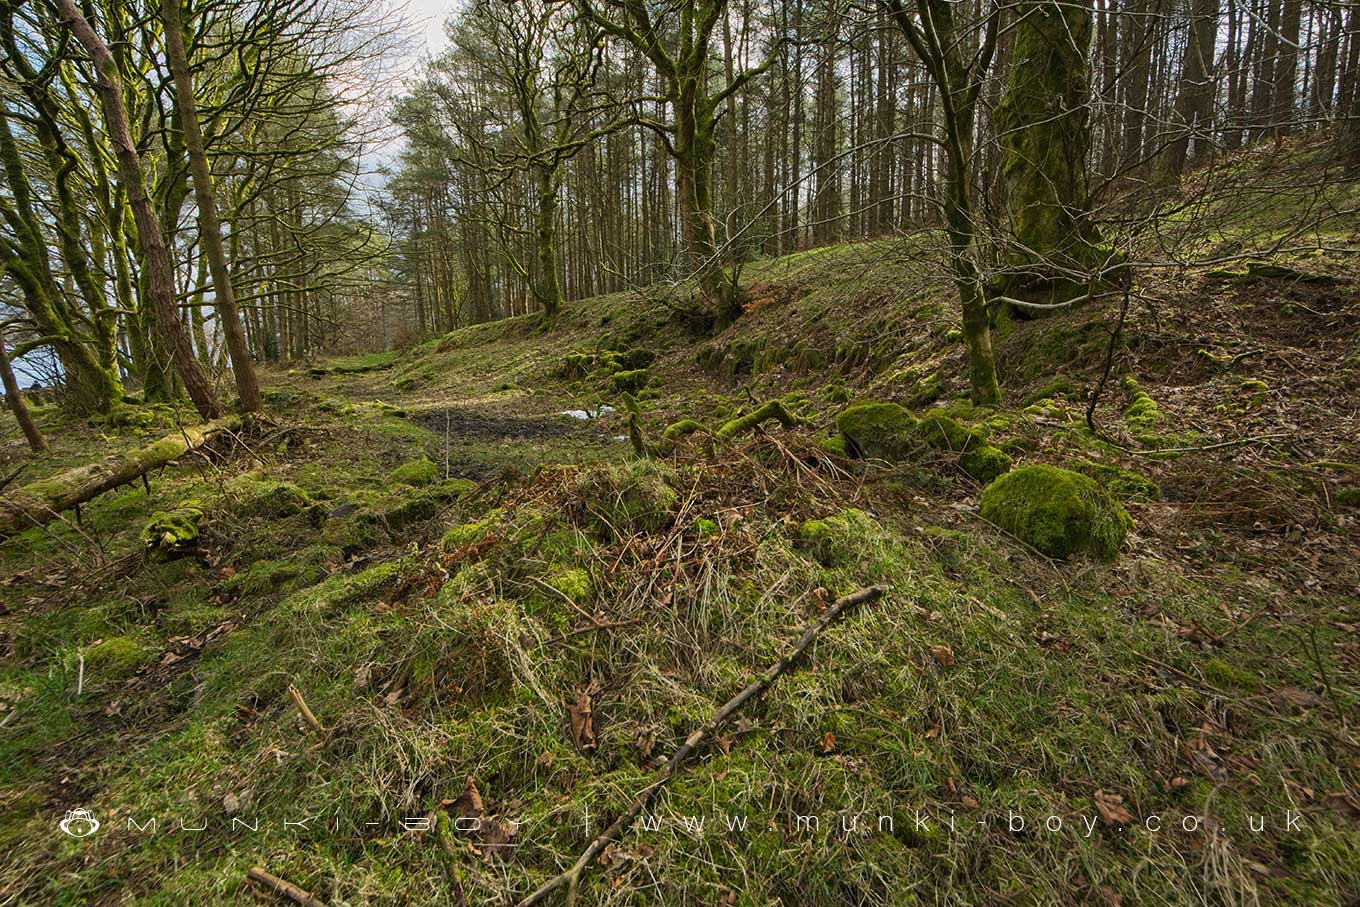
(881, 430)
(172, 534)
(416, 473)
(1057, 511)
(985, 463)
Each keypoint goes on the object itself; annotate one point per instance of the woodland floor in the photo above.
(448, 622)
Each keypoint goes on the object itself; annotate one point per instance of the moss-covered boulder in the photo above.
(1125, 484)
(629, 382)
(881, 430)
(173, 533)
(1057, 511)
(620, 499)
(114, 658)
(947, 433)
(417, 473)
(256, 497)
(985, 462)
(836, 540)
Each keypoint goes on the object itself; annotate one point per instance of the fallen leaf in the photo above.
(828, 742)
(933, 732)
(944, 655)
(469, 803)
(970, 802)
(1111, 809)
(583, 720)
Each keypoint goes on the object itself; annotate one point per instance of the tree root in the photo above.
(572, 877)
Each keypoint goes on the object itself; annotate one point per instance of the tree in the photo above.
(160, 279)
(677, 42)
(15, 398)
(1044, 129)
(935, 31)
(209, 228)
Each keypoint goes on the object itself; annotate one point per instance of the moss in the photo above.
(577, 365)
(624, 498)
(1125, 484)
(1220, 672)
(1349, 496)
(630, 381)
(1256, 391)
(415, 472)
(1142, 414)
(115, 658)
(837, 392)
(1057, 511)
(573, 582)
(172, 533)
(471, 533)
(771, 409)
(947, 433)
(834, 445)
(682, 428)
(985, 463)
(707, 528)
(1057, 387)
(267, 498)
(307, 567)
(835, 540)
(882, 430)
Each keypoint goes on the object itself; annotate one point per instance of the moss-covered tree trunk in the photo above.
(15, 399)
(1045, 133)
(547, 287)
(108, 84)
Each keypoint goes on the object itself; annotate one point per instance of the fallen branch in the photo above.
(279, 886)
(38, 503)
(754, 691)
(304, 709)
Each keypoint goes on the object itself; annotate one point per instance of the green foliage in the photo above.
(1056, 511)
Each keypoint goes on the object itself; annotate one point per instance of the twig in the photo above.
(302, 707)
(279, 886)
(755, 690)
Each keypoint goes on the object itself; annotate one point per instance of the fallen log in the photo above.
(41, 502)
(283, 887)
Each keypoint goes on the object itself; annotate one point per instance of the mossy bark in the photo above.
(15, 399)
(41, 502)
(1045, 133)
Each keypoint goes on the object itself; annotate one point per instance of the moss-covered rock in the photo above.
(264, 498)
(623, 498)
(1057, 511)
(1142, 413)
(472, 532)
(115, 658)
(835, 540)
(630, 381)
(947, 433)
(985, 463)
(415, 472)
(1125, 484)
(881, 430)
(172, 533)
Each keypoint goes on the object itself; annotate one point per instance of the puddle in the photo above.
(585, 415)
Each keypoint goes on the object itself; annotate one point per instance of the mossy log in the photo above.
(41, 502)
(772, 409)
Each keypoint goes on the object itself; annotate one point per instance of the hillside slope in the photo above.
(493, 607)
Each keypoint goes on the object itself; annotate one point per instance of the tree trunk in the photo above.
(15, 399)
(209, 228)
(161, 279)
(1194, 100)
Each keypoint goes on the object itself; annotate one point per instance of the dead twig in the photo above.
(279, 886)
(304, 709)
(754, 691)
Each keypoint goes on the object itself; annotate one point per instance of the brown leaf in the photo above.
(1111, 809)
(944, 655)
(469, 803)
(1111, 897)
(933, 732)
(828, 742)
(582, 722)
(970, 802)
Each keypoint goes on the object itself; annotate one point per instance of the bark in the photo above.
(160, 281)
(41, 502)
(15, 399)
(209, 227)
(1194, 100)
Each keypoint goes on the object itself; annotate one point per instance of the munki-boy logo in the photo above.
(79, 823)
